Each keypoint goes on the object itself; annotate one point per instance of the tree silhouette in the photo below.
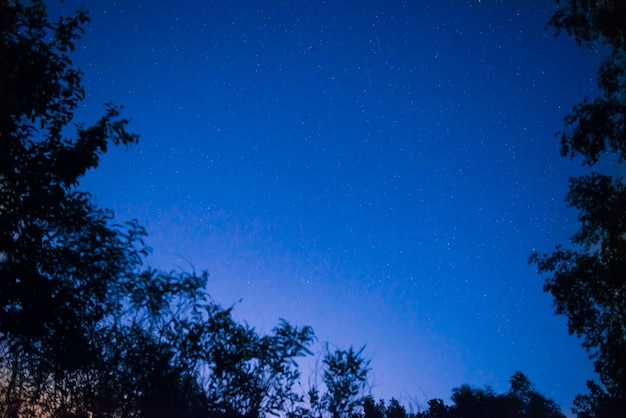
(524, 400)
(345, 378)
(250, 375)
(437, 409)
(85, 328)
(63, 263)
(344, 375)
(588, 281)
(521, 401)
(395, 409)
(371, 409)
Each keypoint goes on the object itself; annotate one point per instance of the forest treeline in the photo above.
(86, 330)
(522, 400)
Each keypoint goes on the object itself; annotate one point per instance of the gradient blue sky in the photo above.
(380, 170)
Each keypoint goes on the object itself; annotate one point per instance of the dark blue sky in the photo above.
(380, 170)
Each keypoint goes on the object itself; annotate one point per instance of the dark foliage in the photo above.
(68, 273)
(345, 375)
(85, 329)
(522, 400)
(588, 281)
(597, 126)
(61, 258)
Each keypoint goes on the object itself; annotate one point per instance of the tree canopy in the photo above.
(85, 328)
(522, 400)
(63, 263)
(588, 280)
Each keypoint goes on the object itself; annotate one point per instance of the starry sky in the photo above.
(379, 170)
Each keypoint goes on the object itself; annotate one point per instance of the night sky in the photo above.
(379, 170)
